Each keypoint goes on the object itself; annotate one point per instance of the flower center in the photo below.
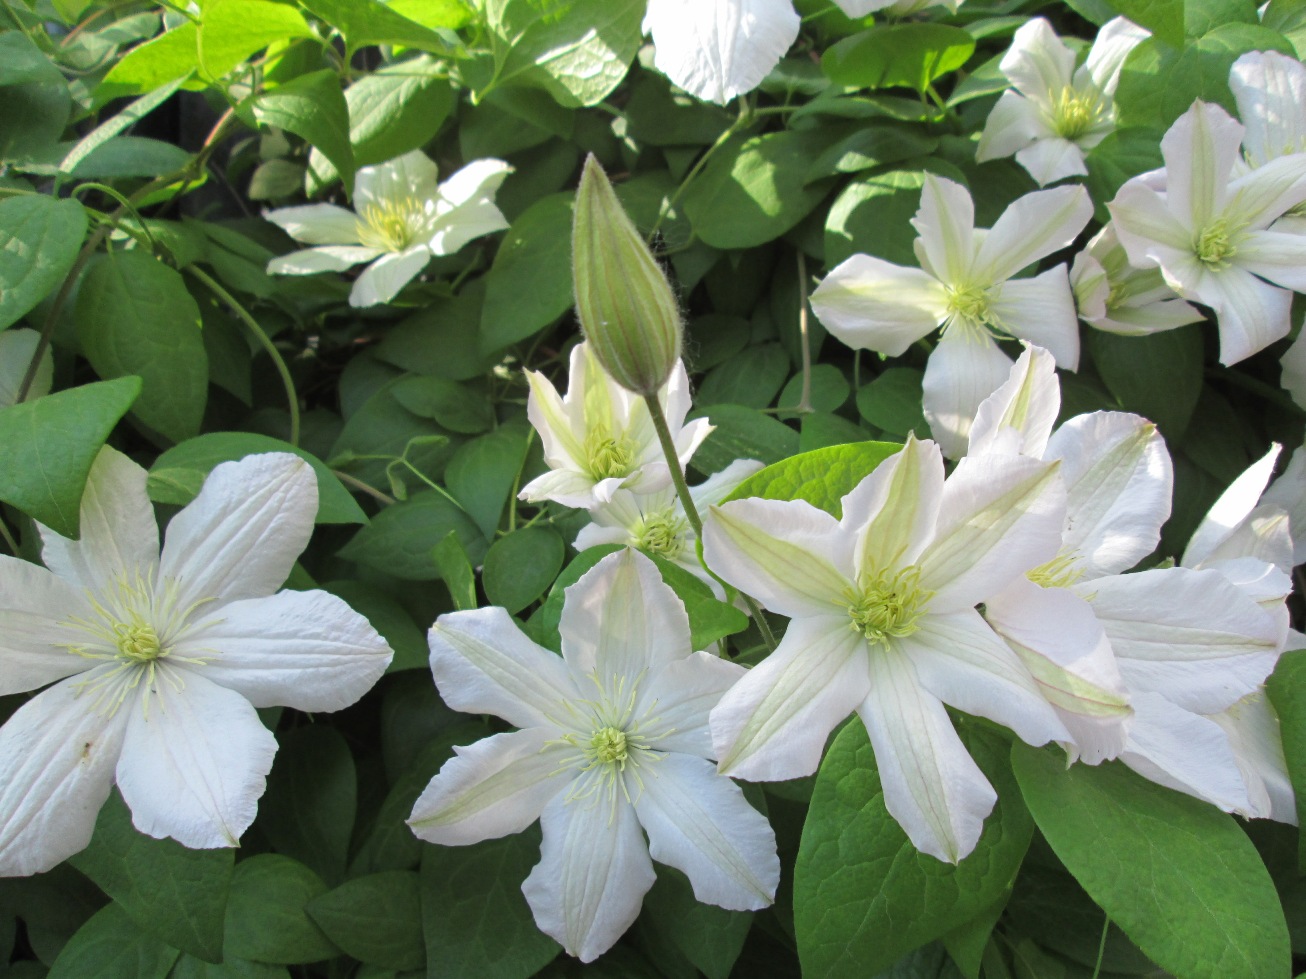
(660, 534)
(888, 606)
(609, 746)
(390, 225)
(608, 457)
(970, 304)
(1215, 246)
(1074, 112)
(137, 641)
(1060, 572)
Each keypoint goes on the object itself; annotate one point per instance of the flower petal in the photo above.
(1231, 509)
(317, 224)
(1027, 404)
(194, 760)
(1051, 159)
(1252, 727)
(773, 723)
(381, 281)
(1013, 124)
(1119, 480)
(700, 823)
(1276, 256)
(1250, 313)
(1191, 636)
(1289, 492)
(679, 696)
(1149, 232)
(240, 536)
(1293, 378)
(495, 787)
(872, 304)
(620, 619)
(892, 512)
(1115, 39)
(1270, 89)
(411, 177)
(1042, 311)
(964, 369)
(593, 873)
(36, 607)
(57, 757)
(120, 539)
(1200, 149)
(466, 208)
(303, 649)
(932, 786)
(946, 225)
(719, 50)
(327, 258)
(1032, 227)
(484, 664)
(1038, 62)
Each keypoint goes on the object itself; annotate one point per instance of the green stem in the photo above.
(264, 340)
(669, 205)
(363, 487)
(1101, 947)
(691, 511)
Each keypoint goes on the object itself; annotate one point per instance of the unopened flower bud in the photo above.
(626, 307)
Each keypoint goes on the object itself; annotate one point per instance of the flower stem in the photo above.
(264, 340)
(691, 511)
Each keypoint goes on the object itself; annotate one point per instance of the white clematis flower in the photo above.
(162, 658)
(1270, 90)
(965, 285)
(613, 745)
(1115, 297)
(16, 349)
(403, 217)
(1057, 112)
(1209, 230)
(656, 523)
(884, 623)
(599, 438)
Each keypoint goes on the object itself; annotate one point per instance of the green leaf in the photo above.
(1286, 689)
(442, 339)
(382, 430)
(754, 190)
(892, 402)
(34, 99)
(1158, 376)
(710, 618)
(863, 894)
(474, 917)
(49, 445)
(131, 156)
(822, 477)
(520, 567)
(135, 316)
(1288, 17)
(482, 473)
(873, 146)
(451, 14)
(366, 22)
(753, 378)
(1123, 154)
(119, 123)
(872, 216)
(456, 571)
(266, 919)
(40, 237)
(377, 919)
(112, 946)
(189, 967)
(455, 407)
(1177, 875)
(231, 30)
(529, 285)
(710, 937)
(176, 894)
(907, 55)
(742, 433)
(399, 539)
(1164, 18)
(170, 57)
(387, 617)
(313, 108)
(177, 474)
(308, 811)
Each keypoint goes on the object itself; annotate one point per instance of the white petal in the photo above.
(620, 619)
(1115, 39)
(872, 304)
(964, 369)
(565, 486)
(1000, 516)
(1184, 751)
(1231, 509)
(678, 698)
(1190, 636)
(1276, 256)
(317, 224)
(1289, 492)
(303, 649)
(593, 873)
(1058, 638)
(36, 607)
(484, 664)
(381, 281)
(946, 225)
(495, 787)
(1051, 159)
(700, 823)
(466, 209)
(1027, 403)
(1150, 233)
(716, 51)
(718, 486)
(1142, 319)
(1030, 228)
(194, 760)
(478, 180)
(892, 512)
(1038, 62)
(962, 661)
(1200, 149)
(1270, 89)
(1042, 311)
(1250, 313)
(240, 536)
(1119, 480)
(1252, 727)
(1013, 124)
(17, 347)
(932, 786)
(120, 540)
(327, 258)
(409, 177)
(57, 757)
(773, 723)
(787, 554)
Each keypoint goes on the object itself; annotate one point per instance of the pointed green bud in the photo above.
(626, 307)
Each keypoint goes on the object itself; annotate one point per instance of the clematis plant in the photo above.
(884, 623)
(1114, 296)
(613, 744)
(599, 438)
(159, 659)
(402, 217)
(965, 285)
(1057, 112)
(1209, 229)
(1270, 91)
